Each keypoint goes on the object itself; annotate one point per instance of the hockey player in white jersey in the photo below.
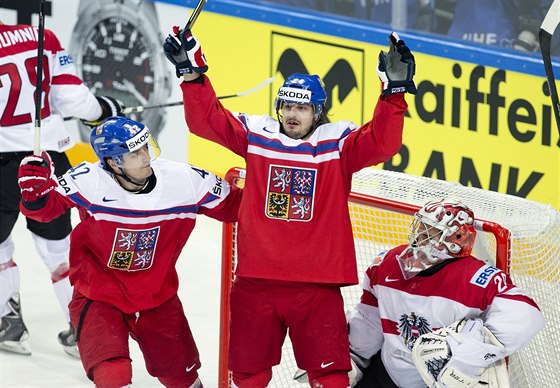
(137, 213)
(411, 291)
(63, 93)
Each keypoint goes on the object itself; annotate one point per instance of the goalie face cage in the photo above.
(520, 237)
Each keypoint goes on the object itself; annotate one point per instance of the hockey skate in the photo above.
(67, 339)
(13, 333)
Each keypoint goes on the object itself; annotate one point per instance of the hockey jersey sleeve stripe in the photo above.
(243, 120)
(519, 298)
(209, 197)
(66, 79)
(369, 299)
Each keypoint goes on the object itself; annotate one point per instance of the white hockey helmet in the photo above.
(440, 230)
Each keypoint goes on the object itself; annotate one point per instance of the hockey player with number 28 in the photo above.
(63, 94)
(295, 245)
(432, 314)
(137, 213)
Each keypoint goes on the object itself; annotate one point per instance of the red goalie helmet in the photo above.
(440, 230)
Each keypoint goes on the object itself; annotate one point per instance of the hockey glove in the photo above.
(470, 354)
(36, 177)
(109, 107)
(396, 68)
(184, 51)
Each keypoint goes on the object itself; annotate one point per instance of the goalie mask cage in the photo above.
(519, 236)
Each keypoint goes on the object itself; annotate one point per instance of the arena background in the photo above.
(481, 116)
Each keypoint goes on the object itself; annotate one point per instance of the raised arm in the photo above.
(204, 114)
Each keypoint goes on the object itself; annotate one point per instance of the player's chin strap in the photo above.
(129, 180)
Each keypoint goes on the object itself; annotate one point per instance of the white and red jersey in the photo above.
(63, 93)
(394, 312)
(124, 250)
(293, 221)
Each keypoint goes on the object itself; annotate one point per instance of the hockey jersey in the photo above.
(124, 250)
(63, 93)
(394, 312)
(293, 221)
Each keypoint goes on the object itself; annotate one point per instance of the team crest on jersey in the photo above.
(290, 193)
(412, 326)
(133, 250)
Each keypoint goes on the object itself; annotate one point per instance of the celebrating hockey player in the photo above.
(136, 215)
(63, 93)
(295, 246)
(432, 314)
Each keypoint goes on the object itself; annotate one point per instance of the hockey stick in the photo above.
(39, 80)
(140, 108)
(194, 15)
(549, 24)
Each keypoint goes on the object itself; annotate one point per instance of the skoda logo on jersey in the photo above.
(299, 96)
(139, 140)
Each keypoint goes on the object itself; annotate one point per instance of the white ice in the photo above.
(48, 366)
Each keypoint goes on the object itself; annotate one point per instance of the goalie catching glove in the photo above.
(109, 107)
(184, 52)
(463, 355)
(36, 177)
(396, 68)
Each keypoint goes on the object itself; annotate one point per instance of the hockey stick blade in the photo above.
(549, 25)
(139, 109)
(194, 15)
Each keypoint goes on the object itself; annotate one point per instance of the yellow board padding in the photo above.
(477, 125)
(81, 152)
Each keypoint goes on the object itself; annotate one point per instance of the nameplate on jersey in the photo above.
(290, 193)
(482, 277)
(133, 250)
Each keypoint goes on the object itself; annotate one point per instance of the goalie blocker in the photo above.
(465, 354)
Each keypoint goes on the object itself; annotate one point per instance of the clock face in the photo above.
(117, 61)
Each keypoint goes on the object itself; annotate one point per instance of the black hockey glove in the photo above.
(396, 68)
(109, 107)
(184, 51)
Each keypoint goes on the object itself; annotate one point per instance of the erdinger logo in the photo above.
(298, 96)
(139, 140)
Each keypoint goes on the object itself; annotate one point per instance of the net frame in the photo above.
(518, 237)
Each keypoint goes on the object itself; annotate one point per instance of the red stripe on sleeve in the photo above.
(520, 298)
(66, 79)
(369, 299)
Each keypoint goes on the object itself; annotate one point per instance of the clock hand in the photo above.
(128, 86)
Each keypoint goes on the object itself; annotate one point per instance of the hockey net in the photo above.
(518, 236)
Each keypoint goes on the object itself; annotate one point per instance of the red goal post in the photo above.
(518, 236)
